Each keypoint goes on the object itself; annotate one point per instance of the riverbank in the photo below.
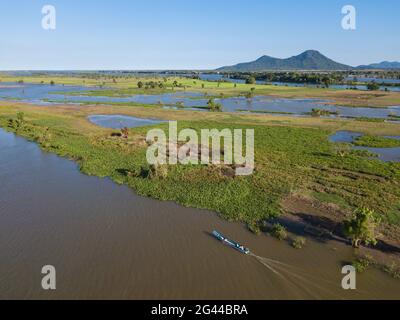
(293, 155)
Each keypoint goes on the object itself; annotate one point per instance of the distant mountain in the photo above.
(308, 60)
(381, 65)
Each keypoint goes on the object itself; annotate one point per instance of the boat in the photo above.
(230, 243)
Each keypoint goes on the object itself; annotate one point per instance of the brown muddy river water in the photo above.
(107, 243)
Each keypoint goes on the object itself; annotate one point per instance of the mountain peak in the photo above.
(382, 65)
(308, 60)
(311, 53)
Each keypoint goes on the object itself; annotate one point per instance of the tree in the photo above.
(326, 82)
(140, 84)
(214, 106)
(373, 86)
(250, 80)
(279, 231)
(361, 227)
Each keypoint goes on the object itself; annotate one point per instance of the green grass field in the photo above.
(292, 156)
(377, 142)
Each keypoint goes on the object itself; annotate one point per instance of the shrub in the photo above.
(361, 264)
(373, 86)
(214, 106)
(393, 270)
(250, 80)
(20, 117)
(254, 227)
(342, 149)
(299, 243)
(279, 231)
(159, 171)
(361, 227)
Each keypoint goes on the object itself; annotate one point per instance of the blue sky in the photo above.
(186, 34)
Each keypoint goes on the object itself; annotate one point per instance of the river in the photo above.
(107, 243)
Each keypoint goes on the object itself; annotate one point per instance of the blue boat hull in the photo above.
(230, 243)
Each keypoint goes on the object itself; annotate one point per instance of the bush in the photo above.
(361, 227)
(373, 86)
(20, 117)
(250, 80)
(342, 149)
(279, 232)
(214, 106)
(299, 243)
(18, 122)
(159, 171)
(254, 227)
(361, 264)
(393, 270)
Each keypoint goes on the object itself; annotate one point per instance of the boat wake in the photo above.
(291, 277)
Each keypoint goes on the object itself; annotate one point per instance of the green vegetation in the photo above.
(292, 154)
(322, 112)
(361, 227)
(373, 86)
(18, 122)
(250, 80)
(365, 119)
(299, 242)
(377, 142)
(330, 198)
(393, 269)
(293, 77)
(214, 106)
(278, 231)
(362, 264)
(119, 86)
(342, 149)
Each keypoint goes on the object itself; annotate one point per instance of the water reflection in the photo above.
(121, 121)
(384, 154)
